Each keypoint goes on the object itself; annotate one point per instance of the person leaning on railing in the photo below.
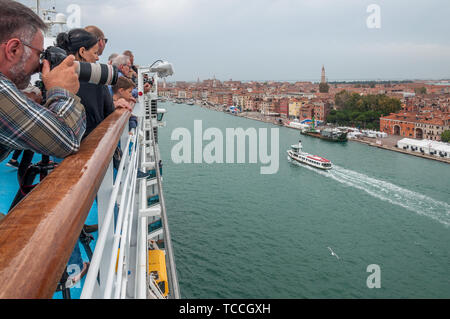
(34, 94)
(133, 68)
(122, 93)
(123, 63)
(95, 98)
(112, 57)
(98, 33)
(55, 128)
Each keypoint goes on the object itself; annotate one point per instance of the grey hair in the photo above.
(113, 56)
(120, 59)
(21, 78)
(27, 34)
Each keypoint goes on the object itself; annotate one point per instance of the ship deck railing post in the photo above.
(120, 233)
(104, 247)
(150, 118)
(172, 273)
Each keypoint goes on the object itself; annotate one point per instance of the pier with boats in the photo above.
(331, 133)
(328, 134)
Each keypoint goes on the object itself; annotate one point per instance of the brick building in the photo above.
(416, 125)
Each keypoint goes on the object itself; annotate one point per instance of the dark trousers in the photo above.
(16, 154)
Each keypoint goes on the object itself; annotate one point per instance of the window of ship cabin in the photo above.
(162, 286)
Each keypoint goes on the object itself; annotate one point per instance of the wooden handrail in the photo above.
(37, 237)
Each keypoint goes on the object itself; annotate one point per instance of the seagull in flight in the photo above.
(333, 253)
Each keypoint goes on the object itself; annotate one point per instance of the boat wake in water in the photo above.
(413, 201)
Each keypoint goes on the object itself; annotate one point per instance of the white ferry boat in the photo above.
(296, 154)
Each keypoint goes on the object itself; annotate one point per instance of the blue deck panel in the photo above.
(8, 188)
(8, 184)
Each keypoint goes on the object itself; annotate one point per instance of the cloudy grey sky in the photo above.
(277, 39)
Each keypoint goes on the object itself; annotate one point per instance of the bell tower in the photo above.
(323, 78)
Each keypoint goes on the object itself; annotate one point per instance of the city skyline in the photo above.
(278, 40)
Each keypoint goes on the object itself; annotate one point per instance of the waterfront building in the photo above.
(282, 107)
(321, 110)
(181, 94)
(266, 106)
(164, 92)
(306, 111)
(294, 108)
(427, 125)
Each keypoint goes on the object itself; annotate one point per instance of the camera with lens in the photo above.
(95, 73)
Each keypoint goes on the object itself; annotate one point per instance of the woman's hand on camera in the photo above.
(64, 75)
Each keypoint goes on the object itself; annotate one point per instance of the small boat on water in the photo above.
(332, 135)
(296, 154)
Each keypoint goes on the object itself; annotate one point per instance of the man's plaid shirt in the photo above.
(54, 129)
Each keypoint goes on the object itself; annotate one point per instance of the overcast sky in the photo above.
(277, 39)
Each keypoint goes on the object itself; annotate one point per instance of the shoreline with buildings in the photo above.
(423, 107)
(389, 142)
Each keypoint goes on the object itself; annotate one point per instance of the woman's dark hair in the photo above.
(75, 39)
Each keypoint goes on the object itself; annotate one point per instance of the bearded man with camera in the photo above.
(55, 128)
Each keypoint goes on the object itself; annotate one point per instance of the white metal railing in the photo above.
(121, 231)
(108, 239)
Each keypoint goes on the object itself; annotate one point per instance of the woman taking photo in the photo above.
(97, 101)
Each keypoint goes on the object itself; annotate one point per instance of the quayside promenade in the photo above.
(387, 143)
